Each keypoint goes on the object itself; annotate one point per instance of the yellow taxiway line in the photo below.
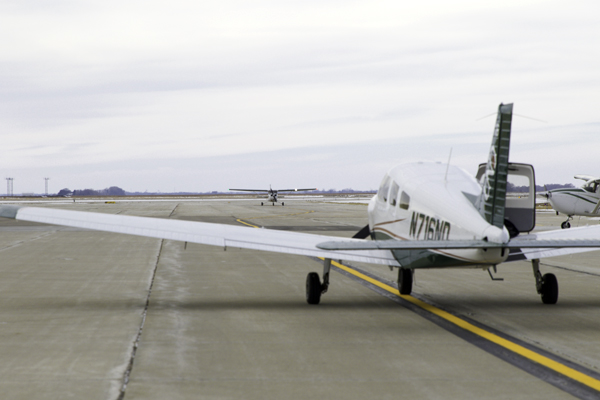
(507, 344)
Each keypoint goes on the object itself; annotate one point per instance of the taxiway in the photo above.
(104, 316)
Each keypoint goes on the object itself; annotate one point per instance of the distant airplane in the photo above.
(584, 201)
(425, 215)
(271, 194)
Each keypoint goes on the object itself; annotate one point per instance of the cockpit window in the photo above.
(590, 187)
(404, 200)
(394, 193)
(384, 189)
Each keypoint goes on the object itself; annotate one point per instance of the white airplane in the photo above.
(425, 215)
(584, 201)
(271, 194)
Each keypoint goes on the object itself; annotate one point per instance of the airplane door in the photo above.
(520, 197)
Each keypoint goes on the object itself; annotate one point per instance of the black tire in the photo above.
(511, 228)
(282, 203)
(261, 203)
(565, 225)
(405, 280)
(313, 288)
(549, 289)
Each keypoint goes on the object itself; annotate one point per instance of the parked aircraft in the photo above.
(584, 201)
(424, 215)
(271, 194)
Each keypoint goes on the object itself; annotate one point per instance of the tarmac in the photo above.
(93, 315)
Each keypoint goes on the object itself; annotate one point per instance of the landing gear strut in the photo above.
(546, 285)
(405, 280)
(566, 224)
(314, 287)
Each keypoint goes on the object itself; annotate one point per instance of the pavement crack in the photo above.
(173, 210)
(21, 242)
(138, 337)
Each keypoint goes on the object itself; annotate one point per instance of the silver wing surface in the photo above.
(251, 190)
(198, 232)
(294, 190)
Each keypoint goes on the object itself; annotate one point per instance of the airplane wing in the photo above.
(567, 241)
(587, 178)
(540, 245)
(250, 190)
(197, 232)
(294, 190)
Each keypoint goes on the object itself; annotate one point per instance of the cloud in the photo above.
(107, 83)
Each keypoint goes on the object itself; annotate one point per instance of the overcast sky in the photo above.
(202, 96)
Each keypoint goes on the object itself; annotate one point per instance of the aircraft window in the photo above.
(394, 193)
(384, 189)
(518, 185)
(591, 187)
(404, 200)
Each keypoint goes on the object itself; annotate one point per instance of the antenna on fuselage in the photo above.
(448, 165)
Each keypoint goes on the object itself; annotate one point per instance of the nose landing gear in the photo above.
(566, 224)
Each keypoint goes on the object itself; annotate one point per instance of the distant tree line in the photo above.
(538, 188)
(111, 191)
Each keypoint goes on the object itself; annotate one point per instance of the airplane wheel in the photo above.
(261, 203)
(313, 288)
(565, 225)
(405, 280)
(549, 290)
(282, 203)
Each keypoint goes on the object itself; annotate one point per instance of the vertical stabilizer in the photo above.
(492, 200)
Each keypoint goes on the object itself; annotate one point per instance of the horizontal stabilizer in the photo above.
(458, 244)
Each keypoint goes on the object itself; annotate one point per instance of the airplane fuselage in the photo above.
(419, 201)
(272, 197)
(574, 201)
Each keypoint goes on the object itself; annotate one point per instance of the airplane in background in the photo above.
(271, 194)
(424, 215)
(584, 201)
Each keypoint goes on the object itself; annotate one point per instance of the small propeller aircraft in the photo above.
(424, 215)
(271, 194)
(584, 201)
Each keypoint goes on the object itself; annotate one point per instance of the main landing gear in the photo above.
(405, 280)
(546, 285)
(314, 287)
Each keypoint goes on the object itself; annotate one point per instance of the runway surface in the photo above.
(103, 316)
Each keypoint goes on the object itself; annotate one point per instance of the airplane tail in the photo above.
(492, 200)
